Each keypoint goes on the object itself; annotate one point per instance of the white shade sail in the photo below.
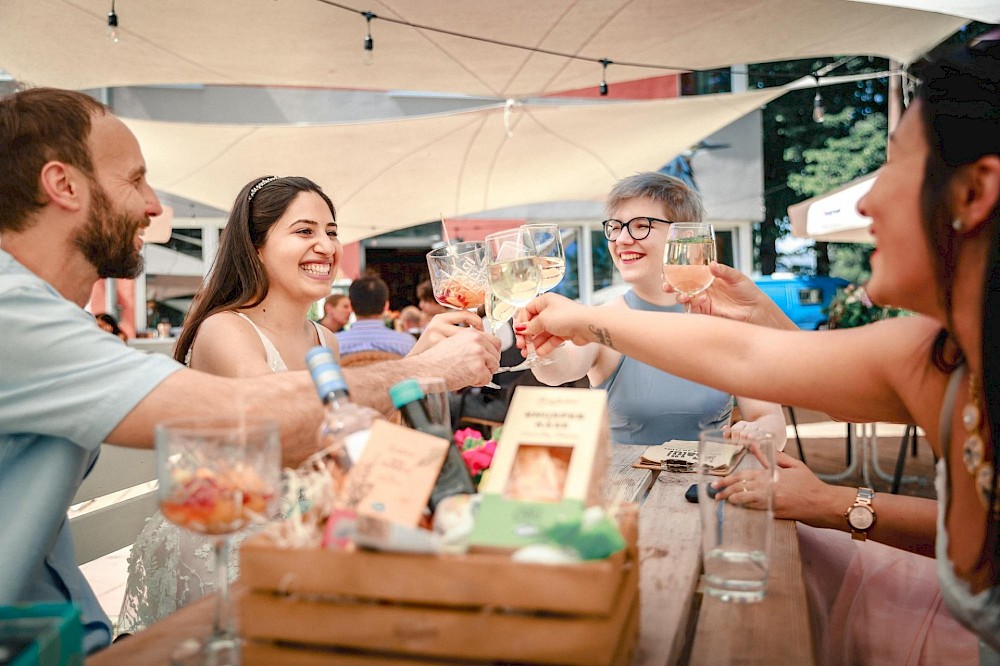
(987, 11)
(63, 43)
(389, 175)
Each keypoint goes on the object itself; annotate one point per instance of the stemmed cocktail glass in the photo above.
(458, 275)
(216, 476)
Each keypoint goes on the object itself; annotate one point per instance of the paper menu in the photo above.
(682, 456)
(394, 477)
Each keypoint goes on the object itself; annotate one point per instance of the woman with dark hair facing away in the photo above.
(935, 210)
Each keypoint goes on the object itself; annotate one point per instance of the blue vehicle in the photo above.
(802, 297)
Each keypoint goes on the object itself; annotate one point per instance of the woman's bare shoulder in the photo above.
(227, 344)
(330, 339)
(226, 323)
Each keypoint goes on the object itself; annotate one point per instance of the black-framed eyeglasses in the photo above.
(638, 227)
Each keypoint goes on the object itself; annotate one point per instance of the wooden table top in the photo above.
(677, 625)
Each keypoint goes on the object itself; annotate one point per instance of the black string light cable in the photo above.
(113, 23)
(604, 62)
(604, 75)
(369, 42)
(777, 78)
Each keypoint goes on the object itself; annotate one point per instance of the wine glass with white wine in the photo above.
(513, 273)
(552, 266)
(512, 266)
(689, 251)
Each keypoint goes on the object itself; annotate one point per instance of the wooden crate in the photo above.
(372, 606)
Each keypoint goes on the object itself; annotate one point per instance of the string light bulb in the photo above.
(819, 113)
(369, 42)
(113, 24)
(604, 75)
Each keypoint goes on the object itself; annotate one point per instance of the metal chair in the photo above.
(795, 427)
(909, 436)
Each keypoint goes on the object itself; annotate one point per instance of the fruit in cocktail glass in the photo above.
(216, 503)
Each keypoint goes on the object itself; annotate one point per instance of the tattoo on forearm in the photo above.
(603, 336)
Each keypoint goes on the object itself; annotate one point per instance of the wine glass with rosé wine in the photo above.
(217, 475)
(689, 251)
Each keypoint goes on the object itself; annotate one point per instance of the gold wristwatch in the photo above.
(861, 515)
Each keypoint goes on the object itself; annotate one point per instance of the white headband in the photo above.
(256, 188)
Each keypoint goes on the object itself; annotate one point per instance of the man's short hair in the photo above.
(37, 126)
(368, 296)
(333, 299)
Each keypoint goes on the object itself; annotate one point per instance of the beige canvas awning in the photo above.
(389, 175)
(833, 217)
(310, 43)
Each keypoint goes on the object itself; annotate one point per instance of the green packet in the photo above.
(593, 534)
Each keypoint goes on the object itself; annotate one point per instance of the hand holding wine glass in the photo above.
(689, 251)
(216, 476)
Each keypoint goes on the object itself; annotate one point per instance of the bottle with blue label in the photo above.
(346, 423)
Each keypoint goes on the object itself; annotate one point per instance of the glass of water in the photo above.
(736, 534)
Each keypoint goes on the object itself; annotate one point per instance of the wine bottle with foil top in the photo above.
(454, 478)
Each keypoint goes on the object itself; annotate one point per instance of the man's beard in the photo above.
(108, 239)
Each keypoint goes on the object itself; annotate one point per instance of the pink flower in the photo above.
(466, 433)
(479, 458)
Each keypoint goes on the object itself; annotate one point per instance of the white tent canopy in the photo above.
(390, 175)
(310, 43)
(987, 11)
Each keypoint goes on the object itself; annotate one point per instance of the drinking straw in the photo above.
(444, 231)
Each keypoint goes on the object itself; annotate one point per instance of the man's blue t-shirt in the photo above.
(64, 386)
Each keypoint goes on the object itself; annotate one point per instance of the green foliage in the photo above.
(851, 307)
(789, 133)
(315, 311)
(841, 159)
(851, 261)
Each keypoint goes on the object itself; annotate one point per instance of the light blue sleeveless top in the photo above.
(649, 406)
(979, 612)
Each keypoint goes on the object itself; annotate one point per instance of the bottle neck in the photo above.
(337, 397)
(416, 417)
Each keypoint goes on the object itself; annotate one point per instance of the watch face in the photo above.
(860, 517)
